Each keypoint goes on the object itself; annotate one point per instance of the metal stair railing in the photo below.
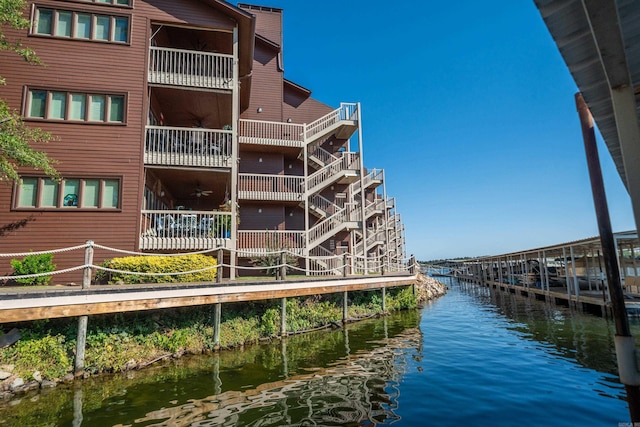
(319, 178)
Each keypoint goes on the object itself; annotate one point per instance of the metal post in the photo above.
(624, 342)
(566, 273)
(235, 119)
(88, 261)
(217, 314)
(576, 285)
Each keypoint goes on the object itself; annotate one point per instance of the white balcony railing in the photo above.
(164, 229)
(270, 187)
(322, 156)
(321, 203)
(271, 133)
(253, 242)
(178, 67)
(177, 146)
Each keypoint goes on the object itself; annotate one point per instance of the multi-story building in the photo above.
(177, 131)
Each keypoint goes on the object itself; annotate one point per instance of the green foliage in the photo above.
(160, 264)
(47, 354)
(33, 264)
(15, 136)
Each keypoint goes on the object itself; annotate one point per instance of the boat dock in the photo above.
(569, 273)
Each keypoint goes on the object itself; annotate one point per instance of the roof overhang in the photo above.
(599, 41)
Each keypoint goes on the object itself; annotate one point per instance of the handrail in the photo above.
(170, 145)
(270, 187)
(345, 162)
(193, 68)
(347, 111)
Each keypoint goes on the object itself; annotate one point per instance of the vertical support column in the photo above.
(217, 314)
(345, 265)
(362, 191)
(574, 273)
(305, 151)
(345, 306)
(566, 273)
(283, 317)
(624, 106)
(384, 300)
(587, 264)
(233, 196)
(219, 269)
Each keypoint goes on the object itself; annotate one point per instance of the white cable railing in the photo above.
(177, 146)
(184, 230)
(271, 133)
(179, 67)
(270, 187)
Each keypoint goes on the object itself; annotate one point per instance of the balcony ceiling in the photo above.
(188, 108)
(596, 67)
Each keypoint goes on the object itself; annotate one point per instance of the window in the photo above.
(89, 193)
(81, 25)
(70, 106)
(109, 2)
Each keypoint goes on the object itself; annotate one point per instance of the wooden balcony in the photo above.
(271, 133)
(284, 188)
(196, 69)
(175, 146)
(254, 242)
(184, 230)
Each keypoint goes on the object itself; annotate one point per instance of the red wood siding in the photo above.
(271, 217)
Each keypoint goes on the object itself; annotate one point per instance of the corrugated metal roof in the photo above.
(571, 29)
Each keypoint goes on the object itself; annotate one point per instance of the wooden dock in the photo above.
(28, 304)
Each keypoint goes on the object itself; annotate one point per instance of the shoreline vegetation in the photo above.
(44, 356)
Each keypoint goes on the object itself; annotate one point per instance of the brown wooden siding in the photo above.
(268, 23)
(266, 87)
(272, 163)
(254, 216)
(90, 150)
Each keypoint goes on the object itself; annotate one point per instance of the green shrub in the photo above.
(33, 264)
(160, 264)
(47, 354)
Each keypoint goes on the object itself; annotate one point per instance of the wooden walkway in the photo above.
(24, 304)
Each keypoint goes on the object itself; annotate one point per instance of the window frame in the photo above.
(68, 106)
(61, 194)
(111, 3)
(73, 34)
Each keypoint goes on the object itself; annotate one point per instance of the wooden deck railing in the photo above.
(271, 133)
(179, 67)
(270, 187)
(178, 146)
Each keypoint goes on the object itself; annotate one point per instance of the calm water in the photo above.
(472, 358)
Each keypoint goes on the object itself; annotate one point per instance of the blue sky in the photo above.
(470, 110)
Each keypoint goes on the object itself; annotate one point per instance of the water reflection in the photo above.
(560, 330)
(347, 377)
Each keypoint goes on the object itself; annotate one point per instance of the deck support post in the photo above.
(81, 344)
(384, 300)
(217, 312)
(283, 317)
(345, 302)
